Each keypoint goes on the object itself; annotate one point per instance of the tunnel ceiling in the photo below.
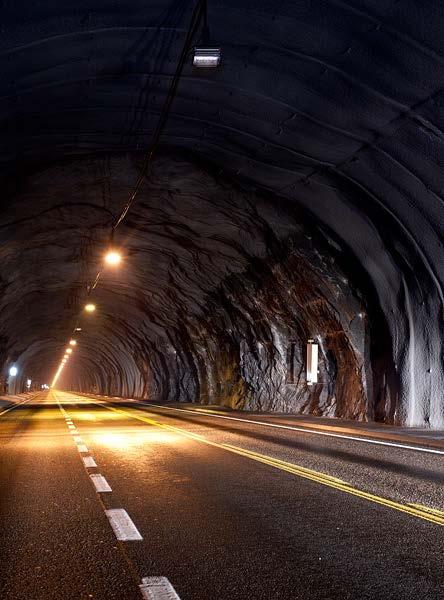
(297, 193)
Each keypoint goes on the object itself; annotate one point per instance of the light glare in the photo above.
(90, 308)
(13, 371)
(113, 258)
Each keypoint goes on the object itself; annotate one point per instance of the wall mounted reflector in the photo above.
(206, 57)
(312, 362)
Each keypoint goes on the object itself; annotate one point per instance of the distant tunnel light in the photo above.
(113, 258)
(78, 329)
(69, 351)
(206, 57)
(28, 383)
(312, 362)
(90, 308)
(72, 343)
(13, 371)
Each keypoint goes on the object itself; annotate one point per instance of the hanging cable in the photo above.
(199, 15)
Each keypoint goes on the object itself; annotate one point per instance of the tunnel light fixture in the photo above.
(69, 351)
(206, 57)
(113, 257)
(13, 371)
(72, 342)
(28, 383)
(90, 308)
(78, 329)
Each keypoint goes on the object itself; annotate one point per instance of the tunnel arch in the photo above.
(322, 111)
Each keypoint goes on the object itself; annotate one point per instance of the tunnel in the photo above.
(292, 193)
(221, 299)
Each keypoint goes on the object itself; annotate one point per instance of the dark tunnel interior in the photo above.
(297, 193)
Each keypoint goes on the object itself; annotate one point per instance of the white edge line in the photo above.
(17, 404)
(304, 430)
(82, 448)
(89, 462)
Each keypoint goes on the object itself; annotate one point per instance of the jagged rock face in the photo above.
(329, 118)
(221, 289)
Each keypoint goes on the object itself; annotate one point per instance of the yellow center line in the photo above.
(415, 510)
(428, 509)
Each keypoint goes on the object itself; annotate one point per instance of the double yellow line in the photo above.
(416, 510)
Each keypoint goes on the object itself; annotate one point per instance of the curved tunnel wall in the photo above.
(327, 116)
(220, 290)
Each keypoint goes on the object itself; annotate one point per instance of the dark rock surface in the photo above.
(298, 187)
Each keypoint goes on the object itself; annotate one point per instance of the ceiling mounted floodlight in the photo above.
(90, 308)
(113, 258)
(13, 371)
(206, 57)
(72, 342)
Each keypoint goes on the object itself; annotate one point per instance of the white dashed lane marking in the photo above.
(100, 483)
(158, 588)
(152, 588)
(122, 525)
(89, 462)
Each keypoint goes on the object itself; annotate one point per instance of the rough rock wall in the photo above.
(220, 290)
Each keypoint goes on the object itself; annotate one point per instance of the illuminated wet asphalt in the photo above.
(97, 495)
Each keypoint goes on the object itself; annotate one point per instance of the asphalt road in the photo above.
(225, 509)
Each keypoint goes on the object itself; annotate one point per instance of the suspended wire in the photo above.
(199, 14)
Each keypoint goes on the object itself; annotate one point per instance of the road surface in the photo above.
(222, 508)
